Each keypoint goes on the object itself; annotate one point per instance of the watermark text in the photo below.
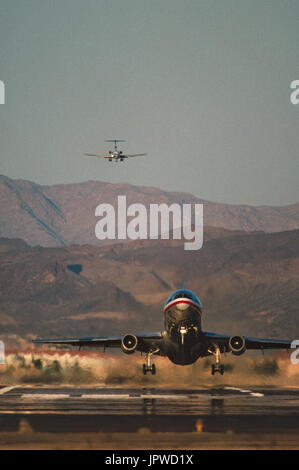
(2, 92)
(294, 97)
(137, 222)
(2, 353)
(294, 358)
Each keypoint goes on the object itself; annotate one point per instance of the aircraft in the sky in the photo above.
(116, 155)
(183, 341)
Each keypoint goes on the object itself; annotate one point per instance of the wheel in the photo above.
(222, 369)
(153, 369)
(213, 369)
(144, 369)
(110, 159)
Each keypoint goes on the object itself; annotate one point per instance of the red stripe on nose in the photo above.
(181, 301)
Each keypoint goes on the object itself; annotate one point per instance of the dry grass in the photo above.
(57, 367)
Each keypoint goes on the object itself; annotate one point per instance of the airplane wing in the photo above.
(135, 155)
(146, 341)
(95, 155)
(250, 343)
(262, 343)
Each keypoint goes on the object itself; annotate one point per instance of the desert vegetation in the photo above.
(89, 368)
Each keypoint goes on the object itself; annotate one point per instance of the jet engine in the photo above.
(237, 345)
(129, 343)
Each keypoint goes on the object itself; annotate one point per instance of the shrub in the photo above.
(266, 367)
(37, 363)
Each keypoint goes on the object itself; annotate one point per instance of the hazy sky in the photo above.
(202, 86)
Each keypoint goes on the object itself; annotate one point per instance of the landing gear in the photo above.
(218, 367)
(149, 367)
(215, 368)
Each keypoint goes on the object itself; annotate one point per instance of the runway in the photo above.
(128, 410)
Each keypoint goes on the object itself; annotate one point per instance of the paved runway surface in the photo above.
(117, 410)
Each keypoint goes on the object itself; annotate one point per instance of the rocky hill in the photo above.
(248, 283)
(61, 215)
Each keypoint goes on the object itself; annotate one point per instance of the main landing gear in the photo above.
(148, 366)
(218, 367)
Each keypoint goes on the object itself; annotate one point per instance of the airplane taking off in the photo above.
(116, 155)
(183, 341)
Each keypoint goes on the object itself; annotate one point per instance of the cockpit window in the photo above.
(182, 294)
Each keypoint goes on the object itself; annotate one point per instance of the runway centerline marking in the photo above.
(253, 394)
(238, 389)
(105, 396)
(45, 396)
(131, 397)
(100, 396)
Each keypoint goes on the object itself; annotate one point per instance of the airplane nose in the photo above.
(182, 311)
(182, 306)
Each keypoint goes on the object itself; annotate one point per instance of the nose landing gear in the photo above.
(218, 367)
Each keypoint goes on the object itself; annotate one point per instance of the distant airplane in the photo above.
(183, 341)
(115, 154)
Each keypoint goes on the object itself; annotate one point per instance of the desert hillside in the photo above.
(248, 283)
(64, 214)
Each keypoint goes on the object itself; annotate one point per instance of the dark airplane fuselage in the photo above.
(183, 312)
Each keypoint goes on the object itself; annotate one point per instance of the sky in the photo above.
(202, 86)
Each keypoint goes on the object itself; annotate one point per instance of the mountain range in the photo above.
(247, 281)
(64, 214)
